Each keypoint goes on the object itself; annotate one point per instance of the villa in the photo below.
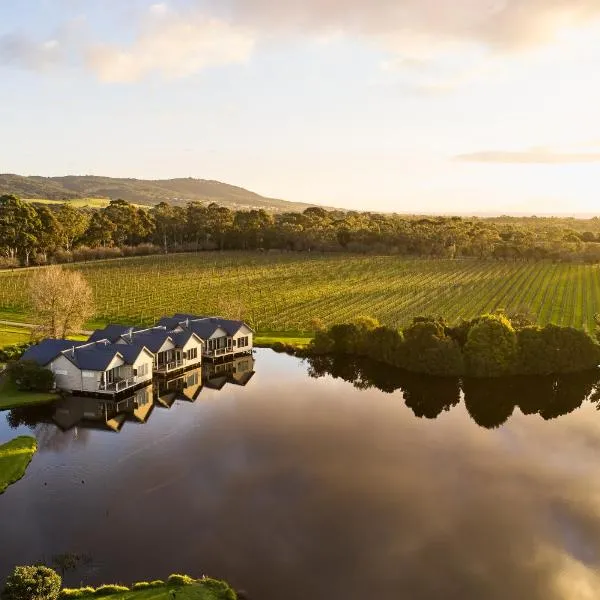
(118, 358)
(98, 367)
(223, 338)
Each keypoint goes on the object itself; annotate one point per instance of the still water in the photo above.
(325, 480)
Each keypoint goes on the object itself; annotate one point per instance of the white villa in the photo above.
(119, 358)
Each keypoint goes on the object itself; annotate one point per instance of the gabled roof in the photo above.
(111, 333)
(183, 337)
(130, 353)
(96, 356)
(47, 350)
(204, 327)
(153, 338)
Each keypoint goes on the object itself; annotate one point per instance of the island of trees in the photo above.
(37, 233)
(492, 345)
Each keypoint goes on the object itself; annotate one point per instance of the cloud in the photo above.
(173, 45)
(495, 23)
(19, 50)
(540, 156)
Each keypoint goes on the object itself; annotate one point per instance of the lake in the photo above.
(323, 480)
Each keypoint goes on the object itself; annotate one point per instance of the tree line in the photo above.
(492, 345)
(40, 233)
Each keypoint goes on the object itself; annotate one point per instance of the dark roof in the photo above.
(111, 333)
(93, 357)
(130, 353)
(204, 327)
(48, 350)
(182, 338)
(168, 322)
(153, 338)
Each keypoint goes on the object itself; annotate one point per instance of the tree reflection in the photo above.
(489, 402)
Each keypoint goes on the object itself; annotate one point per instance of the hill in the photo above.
(140, 191)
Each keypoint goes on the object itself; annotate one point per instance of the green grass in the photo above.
(11, 397)
(15, 457)
(268, 339)
(10, 335)
(78, 202)
(195, 591)
(285, 292)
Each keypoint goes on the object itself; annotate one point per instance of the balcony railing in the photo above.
(170, 366)
(118, 386)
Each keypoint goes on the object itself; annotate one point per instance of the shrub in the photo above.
(177, 579)
(76, 593)
(32, 583)
(491, 348)
(222, 589)
(109, 590)
(28, 376)
(13, 352)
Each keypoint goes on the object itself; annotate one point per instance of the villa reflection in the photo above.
(78, 413)
(489, 402)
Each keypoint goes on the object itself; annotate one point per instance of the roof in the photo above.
(153, 339)
(130, 353)
(204, 327)
(111, 333)
(93, 357)
(47, 350)
(182, 338)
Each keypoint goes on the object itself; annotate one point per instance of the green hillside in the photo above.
(138, 191)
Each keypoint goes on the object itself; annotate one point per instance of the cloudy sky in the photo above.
(396, 105)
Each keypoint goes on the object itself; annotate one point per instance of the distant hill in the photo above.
(140, 191)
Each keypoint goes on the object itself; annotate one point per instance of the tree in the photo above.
(49, 234)
(491, 348)
(32, 583)
(19, 224)
(427, 349)
(61, 299)
(100, 231)
(73, 224)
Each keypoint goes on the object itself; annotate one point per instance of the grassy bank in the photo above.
(287, 291)
(11, 397)
(181, 587)
(15, 457)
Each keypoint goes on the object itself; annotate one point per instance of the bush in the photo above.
(177, 579)
(222, 589)
(76, 593)
(32, 583)
(28, 376)
(491, 348)
(109, 590)
(13, 352)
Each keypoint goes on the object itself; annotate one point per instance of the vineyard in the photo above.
(286, 292)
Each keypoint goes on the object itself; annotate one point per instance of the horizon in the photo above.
(393, 107)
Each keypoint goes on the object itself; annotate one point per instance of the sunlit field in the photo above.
(287, 292)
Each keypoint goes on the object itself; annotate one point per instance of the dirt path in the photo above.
(31, 326)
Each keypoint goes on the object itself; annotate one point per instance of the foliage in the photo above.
(178, 579)
(491, 348)
(13, 352)
(76, 593)
(61, 301)
(109, 590)
(28, 376)
(32, 583)
(427, 349)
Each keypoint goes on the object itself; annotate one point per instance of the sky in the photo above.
(443, 106)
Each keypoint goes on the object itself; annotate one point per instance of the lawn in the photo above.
(267, 339)
(10, 335)
(15, 456)
(11, 397)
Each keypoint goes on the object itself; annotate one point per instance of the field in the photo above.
(76, 203)
(15, 457)
(285, 292)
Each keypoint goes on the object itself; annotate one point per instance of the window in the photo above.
(242, 342)
(142, 370)
(192, 354)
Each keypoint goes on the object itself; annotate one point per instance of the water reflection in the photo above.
(490, 403)
(80, 413)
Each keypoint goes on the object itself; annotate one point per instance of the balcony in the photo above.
(118, 386)
(169, 366)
